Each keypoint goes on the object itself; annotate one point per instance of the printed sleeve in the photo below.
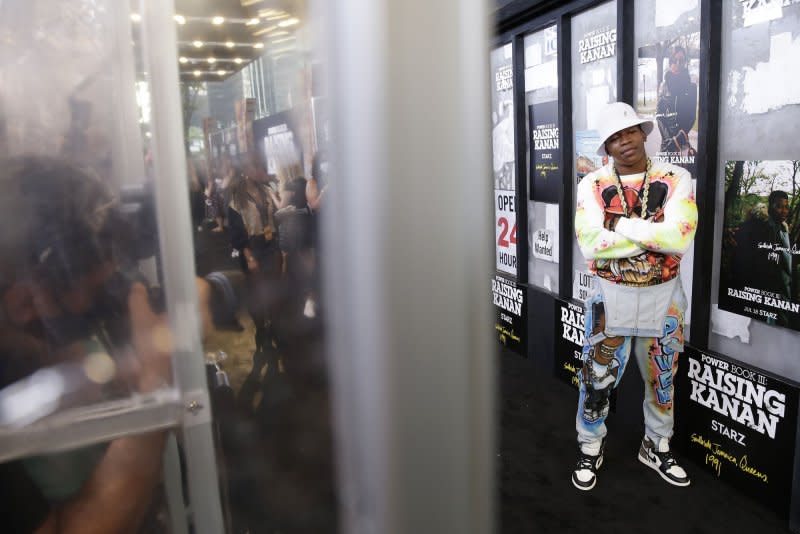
(594, 240)
(675, 232)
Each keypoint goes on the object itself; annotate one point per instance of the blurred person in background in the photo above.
(253, 233)
(71, 295)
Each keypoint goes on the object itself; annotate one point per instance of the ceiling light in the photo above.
(183, 59)
(180, 19)
(216, 21)
(238, 61)
(280, 32)
(253, 21)
(135, 17)
(197, 73)
(276, 41)
(212, 60)
(258, 45)
(221, 72)
(230, 44)
(264, 30)
(198, 44)
(277, 17)
(288, 22)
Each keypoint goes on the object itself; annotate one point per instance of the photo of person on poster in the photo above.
(760, 275)
(676, 110)
(667, 91)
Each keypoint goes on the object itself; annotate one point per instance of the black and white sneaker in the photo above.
(659, 458)
(584, 477)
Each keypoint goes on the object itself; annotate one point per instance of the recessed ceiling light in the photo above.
(288, 22)
(197, 73)
(135, 17)
(212, 60)
(217, 20)
(230, 44)
(264, 30)
(180, 19)
(198, 44)
(221, 72)
(258, 45)
(283, 40)
(183, 59)
(279, 32)
(277, 17)
(253, 21)
(238, 61)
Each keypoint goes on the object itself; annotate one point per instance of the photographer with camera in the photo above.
(69, 289)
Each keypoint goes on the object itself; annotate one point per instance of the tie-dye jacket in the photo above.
(638, 252)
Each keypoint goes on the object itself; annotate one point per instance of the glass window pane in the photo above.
(594, 84)
(667, 43)
(503, 158)
(543, 156)
(755, 284)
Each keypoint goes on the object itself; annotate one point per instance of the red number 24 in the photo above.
(502, 241)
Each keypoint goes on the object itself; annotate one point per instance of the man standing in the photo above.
(634, 220)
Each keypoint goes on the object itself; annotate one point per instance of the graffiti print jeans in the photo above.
(605, 358)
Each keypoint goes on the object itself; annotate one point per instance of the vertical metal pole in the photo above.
(409, 255)
(175, 236)
(566, 201)
(173, 487)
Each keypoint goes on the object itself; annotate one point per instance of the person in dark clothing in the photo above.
(254, 234)
(677, 105)
(762, 257)
(296, 230)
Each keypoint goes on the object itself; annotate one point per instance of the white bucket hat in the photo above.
(617, 116)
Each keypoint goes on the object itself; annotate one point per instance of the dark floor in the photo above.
(537, 452)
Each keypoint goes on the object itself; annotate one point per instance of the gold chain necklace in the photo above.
(645, 189)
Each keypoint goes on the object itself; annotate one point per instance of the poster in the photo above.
(545, 171)
(545, 246)
(509, 302)
(586, 158)
(668, 74)
(280, 150)
(593, 39)
(582, 284)
(245, 113)
(760, 260)
(569, 341)
(506, 232)
(739, 424)
(503, 118)
(278, 142)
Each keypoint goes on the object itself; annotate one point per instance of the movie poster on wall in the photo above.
(545, 171)
(569, 341)
(586, 158)
(503, 118)
(506, 232)
(509, 302)
(593, 38)
(667, 75)
(760, 260)
(739, 424)
(278, 143)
